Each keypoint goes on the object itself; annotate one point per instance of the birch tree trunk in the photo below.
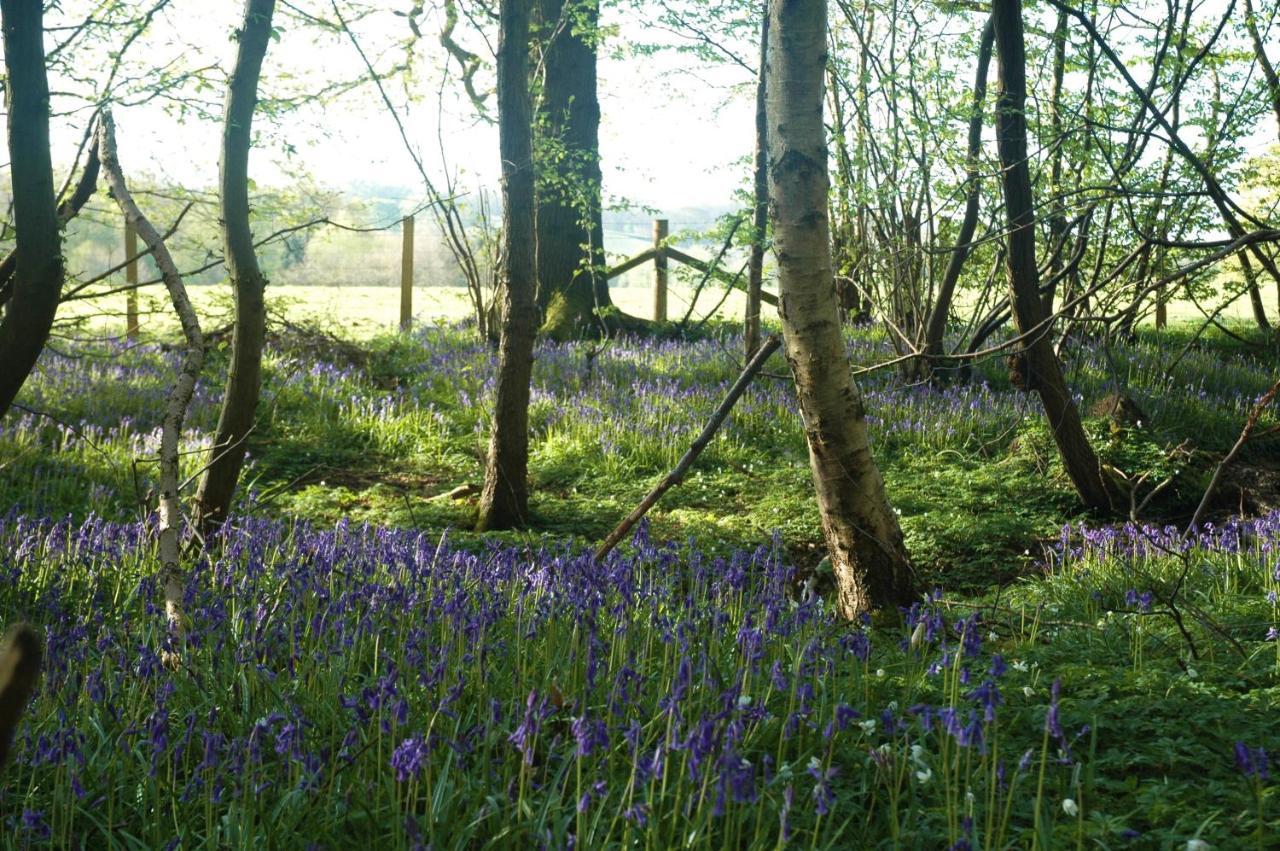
(37, 283)
(755, 268)
(504, 500)
(244, 378)
(1039, 365)
(179, 401)
(865, 542)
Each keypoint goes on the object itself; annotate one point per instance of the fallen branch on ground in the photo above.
(1249, 425)
(676, 476)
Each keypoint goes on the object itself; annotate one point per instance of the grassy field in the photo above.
(363, 668)
(365, 311)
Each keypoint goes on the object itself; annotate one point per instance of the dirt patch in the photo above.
(1249, 489)
(1120, 409)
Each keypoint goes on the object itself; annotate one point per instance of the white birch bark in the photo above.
(179, 400)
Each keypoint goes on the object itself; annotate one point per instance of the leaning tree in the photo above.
(244, 377)
(1036, 363)
(866, 545)
(37, 279)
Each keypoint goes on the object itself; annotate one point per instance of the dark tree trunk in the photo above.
(504, 501)
(570, 219)
(755, 269)
(244, 378)
(1057, 214)
(1255, 292)
(936, 328)
(868, 555)
(37, 282)
(1038, 365)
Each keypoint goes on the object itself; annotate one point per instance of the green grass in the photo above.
(384, 437)
(290, 615)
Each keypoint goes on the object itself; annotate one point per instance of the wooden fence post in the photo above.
(660, 231)
(406, 275)
(131, 277)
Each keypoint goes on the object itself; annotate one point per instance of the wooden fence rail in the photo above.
(131, 278)
(660, 253)
(406, 273)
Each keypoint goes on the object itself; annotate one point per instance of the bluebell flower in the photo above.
(409, 758)
(1252, 762)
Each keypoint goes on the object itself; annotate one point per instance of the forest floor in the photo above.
(410, 681)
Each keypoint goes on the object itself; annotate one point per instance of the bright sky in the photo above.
(669, 139)
(675, 132)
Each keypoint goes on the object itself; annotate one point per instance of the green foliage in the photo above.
(380, 429)
(383, 431)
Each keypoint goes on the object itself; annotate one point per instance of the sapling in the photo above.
(180, 394)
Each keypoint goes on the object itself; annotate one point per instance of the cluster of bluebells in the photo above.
(657, 685)
(1238, 535)
(1240, 556)
(110, 398)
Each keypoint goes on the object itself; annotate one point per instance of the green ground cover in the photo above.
(396, 678)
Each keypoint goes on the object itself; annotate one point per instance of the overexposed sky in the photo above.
(677, 132)
(670, 137)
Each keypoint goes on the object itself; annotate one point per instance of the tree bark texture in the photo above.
(570, 221)
(19, 673)
(171, 576)
(244, 378)
(504, 500)
(1038, 364)
(37, 282)
(865, 541)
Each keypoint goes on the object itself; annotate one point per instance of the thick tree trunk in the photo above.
(755, 267)
(38, 272)
(244, 378)
(171, 575)
(570, 220)
(865, 542)
(936, 328)
(1039, 366)
(504, 501)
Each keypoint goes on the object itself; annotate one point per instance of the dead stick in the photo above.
(676, 476)
(1250, 423)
